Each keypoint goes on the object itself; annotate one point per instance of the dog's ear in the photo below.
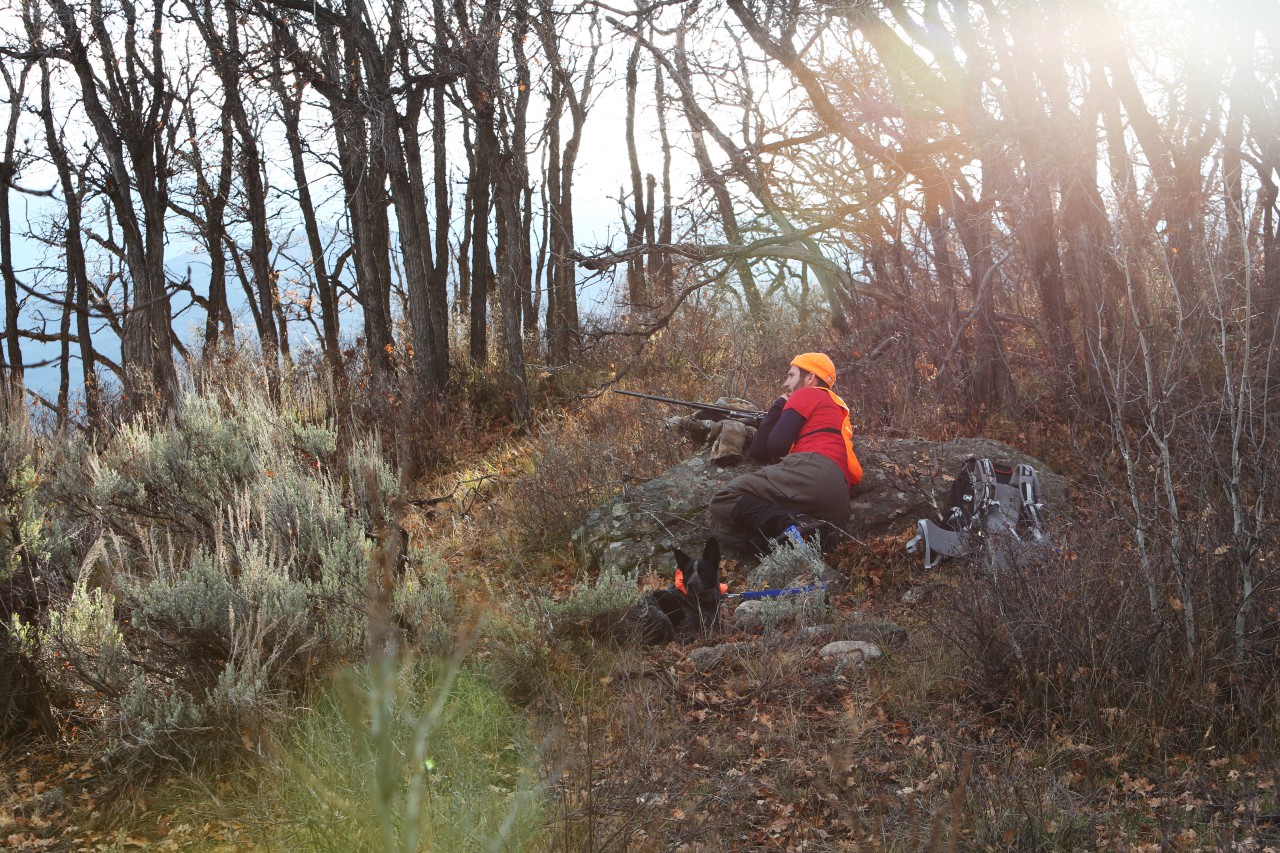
(711, 553)
(683, 561)
(708, 576)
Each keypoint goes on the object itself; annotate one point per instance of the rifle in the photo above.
(704, 411)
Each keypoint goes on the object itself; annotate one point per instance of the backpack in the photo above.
(988, 499)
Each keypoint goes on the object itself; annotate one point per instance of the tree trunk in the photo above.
(989, 382)
(482, 85)
(439, 142)
(77, 272)
(1038, 231)
(511, 246)
(428, 308)
(137, 168)
(942, 262)
(665, 277)
(364, 180)
(562, 300)
(8, 172)
(226, 56)
(481, 270)
(462, 298)
(291, 117)
(637, 230)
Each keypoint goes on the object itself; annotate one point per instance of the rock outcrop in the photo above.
(903, 480)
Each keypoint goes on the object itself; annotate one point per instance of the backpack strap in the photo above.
(938, 542)
(1028, 483)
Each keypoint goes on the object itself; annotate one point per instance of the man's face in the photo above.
(796, 378)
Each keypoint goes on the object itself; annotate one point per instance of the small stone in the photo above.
(52, 798)
(916, 595)
(706, 658)
(749, 614)
(851, 651)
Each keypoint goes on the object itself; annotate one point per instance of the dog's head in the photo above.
(701, 576)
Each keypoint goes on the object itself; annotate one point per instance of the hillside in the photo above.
(250, 633)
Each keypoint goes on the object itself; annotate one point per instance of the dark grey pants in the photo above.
(803, 482)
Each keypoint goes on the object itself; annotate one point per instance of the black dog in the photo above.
(681, 614)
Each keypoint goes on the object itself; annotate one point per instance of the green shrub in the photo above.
(373, 481)
(86, 634)
(282, 595)
(601, 610)
(25, 545)
(517, 655)
(230, 566)
(22, 517)
(788, 564)
(610, 592)
(183, 473)
(424, 758)
(423, 604)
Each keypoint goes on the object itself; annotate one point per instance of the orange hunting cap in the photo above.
(817, 363)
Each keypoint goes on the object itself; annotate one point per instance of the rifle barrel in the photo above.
(689, 404)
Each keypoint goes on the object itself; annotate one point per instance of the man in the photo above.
(809, 439)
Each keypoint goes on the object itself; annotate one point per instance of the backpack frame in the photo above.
(988, 499)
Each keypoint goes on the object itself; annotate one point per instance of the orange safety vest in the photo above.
(846, 432)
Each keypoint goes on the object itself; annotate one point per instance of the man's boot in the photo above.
(769, 523)
(803, 530)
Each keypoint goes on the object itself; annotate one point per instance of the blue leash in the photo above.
(775, 593)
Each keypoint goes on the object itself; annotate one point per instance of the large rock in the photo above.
(903, 480)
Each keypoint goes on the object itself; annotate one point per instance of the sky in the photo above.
(602, 172)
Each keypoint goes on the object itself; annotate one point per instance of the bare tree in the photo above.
(71, 184)
(289, 100)
(479, 45)
(568, 89)
(220, 30)
(511, 180)
(15, 85)
(124, 91)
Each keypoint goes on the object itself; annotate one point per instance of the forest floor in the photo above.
(774, 748)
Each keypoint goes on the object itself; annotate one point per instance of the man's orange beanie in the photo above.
(817, 363)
